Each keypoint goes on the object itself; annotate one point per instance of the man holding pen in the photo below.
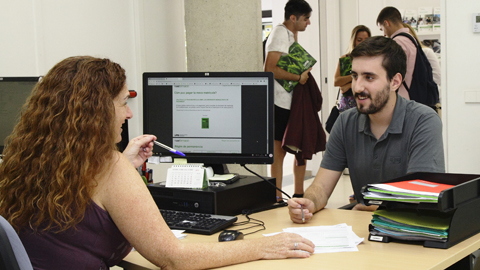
(386, 137)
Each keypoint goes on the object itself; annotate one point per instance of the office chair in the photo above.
(13, 255)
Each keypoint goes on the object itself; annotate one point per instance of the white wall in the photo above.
(160, 46)
(18, 47)
(36, 35)
(140, 35)
(460, 55)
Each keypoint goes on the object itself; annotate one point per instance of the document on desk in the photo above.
(327, 239)
(179, 234)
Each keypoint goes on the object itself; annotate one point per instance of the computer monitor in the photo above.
(14, 92)
(213, 118)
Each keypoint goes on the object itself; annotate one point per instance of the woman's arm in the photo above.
(129, 203)
(342, 80)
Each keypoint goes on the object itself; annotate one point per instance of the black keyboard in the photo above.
(196, 222)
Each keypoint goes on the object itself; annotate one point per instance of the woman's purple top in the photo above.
(96, 243)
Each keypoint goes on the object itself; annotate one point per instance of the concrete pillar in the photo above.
(225, 35)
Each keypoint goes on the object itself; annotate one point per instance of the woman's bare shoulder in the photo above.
(119, 175)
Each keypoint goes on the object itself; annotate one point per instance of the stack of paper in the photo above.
(327, 239)
(411, 225)
(413, 191)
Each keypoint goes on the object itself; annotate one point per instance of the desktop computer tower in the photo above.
(248, 193)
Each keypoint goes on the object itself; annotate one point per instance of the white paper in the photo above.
(328, 239)
(179, 234)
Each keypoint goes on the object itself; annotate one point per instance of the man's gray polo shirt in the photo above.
(412, 143)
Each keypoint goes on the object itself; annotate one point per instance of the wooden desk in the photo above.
(371, 255)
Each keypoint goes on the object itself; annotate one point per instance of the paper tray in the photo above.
(467, 187)
(463, 199)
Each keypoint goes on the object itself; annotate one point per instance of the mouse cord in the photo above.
(256, 222)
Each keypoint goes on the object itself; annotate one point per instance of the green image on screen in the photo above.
(205, 123)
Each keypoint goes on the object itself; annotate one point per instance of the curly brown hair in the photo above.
(62, 142)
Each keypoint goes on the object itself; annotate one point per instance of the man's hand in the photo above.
(361, 207)
(295, 209)
(139, 149)
(304, 76)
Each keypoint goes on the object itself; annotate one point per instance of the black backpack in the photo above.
(422, 89)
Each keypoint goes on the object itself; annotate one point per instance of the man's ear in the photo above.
(396, 82)
(293, 18)
(386, 23)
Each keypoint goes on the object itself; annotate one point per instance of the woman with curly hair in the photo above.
(77, 202)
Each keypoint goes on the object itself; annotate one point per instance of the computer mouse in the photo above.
(230, 235)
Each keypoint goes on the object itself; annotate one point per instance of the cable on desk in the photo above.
(256, 222)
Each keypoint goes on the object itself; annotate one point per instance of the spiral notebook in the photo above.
(187, 176)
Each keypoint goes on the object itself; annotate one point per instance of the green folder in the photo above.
(345, 64)
(408, 229)
(296, 61)
(420, 219)
(435, 198)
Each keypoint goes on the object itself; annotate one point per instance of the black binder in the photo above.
(463, 199)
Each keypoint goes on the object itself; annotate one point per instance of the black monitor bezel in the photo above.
(17, 79)
(218, 158)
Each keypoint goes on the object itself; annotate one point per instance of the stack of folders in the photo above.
(411, 191)
(411, 225)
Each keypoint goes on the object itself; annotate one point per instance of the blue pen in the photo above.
(169, 149)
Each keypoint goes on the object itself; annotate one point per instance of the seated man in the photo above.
(386, 137)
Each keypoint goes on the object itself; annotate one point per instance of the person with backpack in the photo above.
(418, 84)
(433, 61)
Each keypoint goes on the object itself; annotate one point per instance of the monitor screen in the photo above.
(213, 118)
(14, 92)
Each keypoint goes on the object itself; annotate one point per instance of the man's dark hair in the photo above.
(394, 58)
(297, 8)
(390, 14)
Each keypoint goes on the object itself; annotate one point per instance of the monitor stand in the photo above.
(221, 173)
(218, 168)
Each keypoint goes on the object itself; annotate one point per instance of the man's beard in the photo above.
(377, 104)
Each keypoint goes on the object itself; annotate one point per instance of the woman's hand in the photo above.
(286, 245)
(345, 87)
(139, 149)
